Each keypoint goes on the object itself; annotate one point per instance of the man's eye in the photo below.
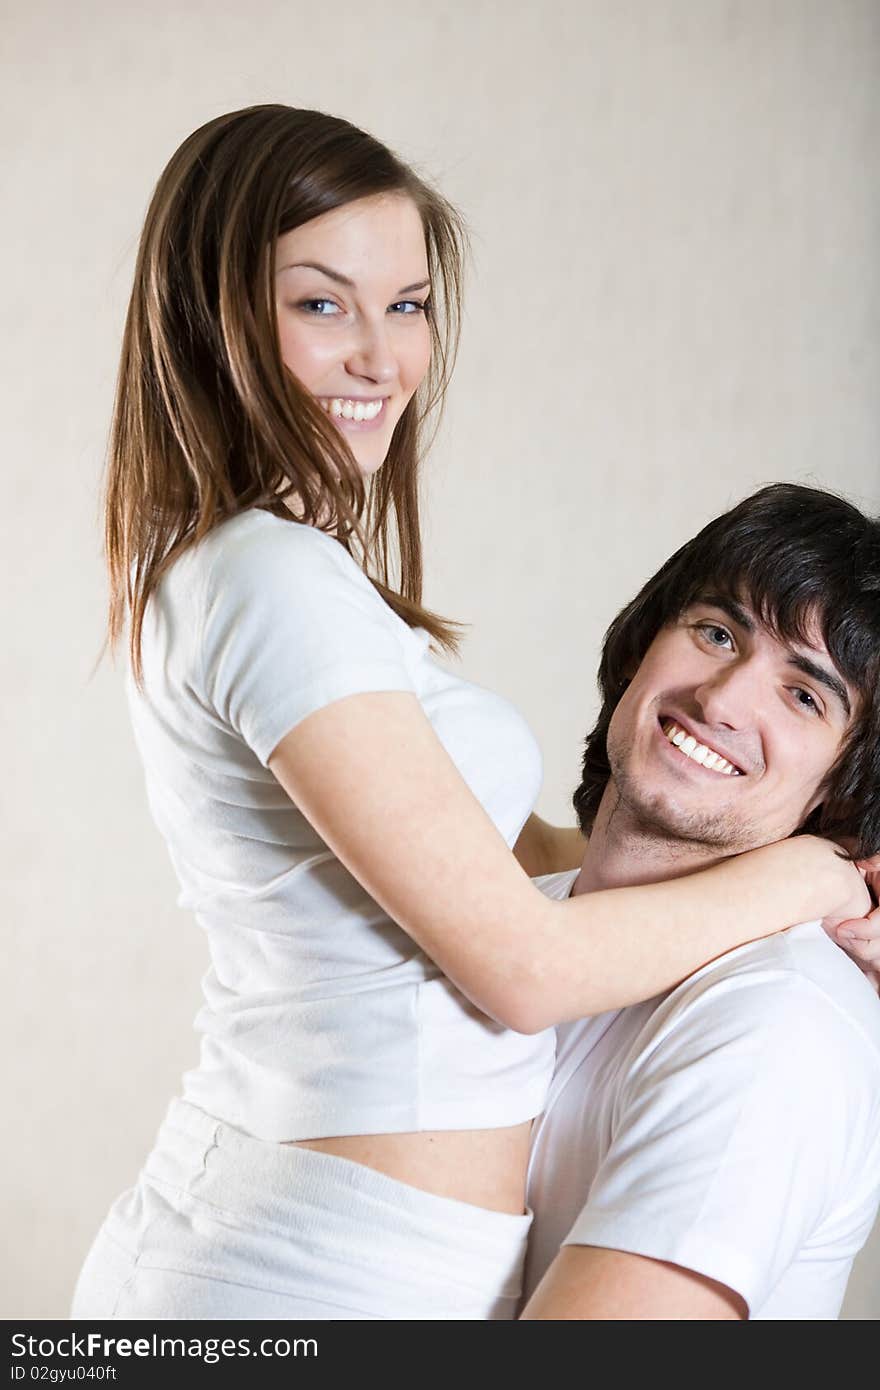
(805, 700)
(715, 635)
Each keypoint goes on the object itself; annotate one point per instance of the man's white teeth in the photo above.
(351, 410)
(687, 744)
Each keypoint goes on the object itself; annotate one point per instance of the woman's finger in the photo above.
(865, 950)
(860, 938)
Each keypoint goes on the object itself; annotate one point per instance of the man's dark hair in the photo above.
(803, 561)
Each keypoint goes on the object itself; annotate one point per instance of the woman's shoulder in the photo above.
(259, 569)
(255, 546)
(256, 562)
(257, 532)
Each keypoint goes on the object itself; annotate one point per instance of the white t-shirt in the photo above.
(731, 1126)
(321, 1016)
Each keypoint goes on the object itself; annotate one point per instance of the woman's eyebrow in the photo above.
(343, 279)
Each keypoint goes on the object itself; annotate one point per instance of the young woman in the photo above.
(377, 1027)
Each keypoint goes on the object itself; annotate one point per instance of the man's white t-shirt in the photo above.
(731, 1126)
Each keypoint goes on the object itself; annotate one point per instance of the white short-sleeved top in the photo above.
(320, 1017)
(731, 1127)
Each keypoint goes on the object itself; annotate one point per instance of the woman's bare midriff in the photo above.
(485, 1167)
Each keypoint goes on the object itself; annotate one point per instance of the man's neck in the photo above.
(621, 852)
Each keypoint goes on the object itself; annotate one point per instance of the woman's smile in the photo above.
(355, 412)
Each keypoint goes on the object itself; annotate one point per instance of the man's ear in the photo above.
(630, 667)
(814, 806)
(809, 821)
(844, 812)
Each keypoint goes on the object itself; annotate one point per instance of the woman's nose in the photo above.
(371, 355)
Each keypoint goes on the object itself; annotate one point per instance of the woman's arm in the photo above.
(548, 849)
(371, 776)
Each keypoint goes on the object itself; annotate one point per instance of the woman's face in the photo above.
(350, 289)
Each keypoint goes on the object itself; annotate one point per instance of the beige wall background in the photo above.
(675, 297)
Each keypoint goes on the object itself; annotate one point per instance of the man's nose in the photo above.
(371, 355)
(730, 696)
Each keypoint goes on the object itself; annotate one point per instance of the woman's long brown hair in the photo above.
(207, 421)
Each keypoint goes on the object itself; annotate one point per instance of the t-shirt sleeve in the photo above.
(730, 1141)
(289, 625)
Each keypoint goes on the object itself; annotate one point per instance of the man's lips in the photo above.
(680, 736)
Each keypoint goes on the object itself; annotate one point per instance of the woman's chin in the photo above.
(369, 461)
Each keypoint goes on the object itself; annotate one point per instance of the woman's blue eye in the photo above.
(716, 636)
(323, 308)
(410, 306)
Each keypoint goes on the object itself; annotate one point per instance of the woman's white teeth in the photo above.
(351, 410)
(698, 752)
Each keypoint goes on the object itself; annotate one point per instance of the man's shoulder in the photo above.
(797, 983)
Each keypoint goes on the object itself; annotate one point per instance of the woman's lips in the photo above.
(355, 413)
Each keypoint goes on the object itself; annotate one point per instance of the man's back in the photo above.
(732, 1127)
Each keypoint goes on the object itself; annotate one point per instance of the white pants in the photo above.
(221, 1225)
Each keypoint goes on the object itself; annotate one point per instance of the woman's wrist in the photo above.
(812, 875)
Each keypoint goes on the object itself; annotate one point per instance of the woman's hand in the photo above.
(860, 936)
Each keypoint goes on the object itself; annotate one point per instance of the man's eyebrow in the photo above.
(343, 279)
(823, 677)
(734, 610)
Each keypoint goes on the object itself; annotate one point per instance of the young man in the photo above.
(715, 1153)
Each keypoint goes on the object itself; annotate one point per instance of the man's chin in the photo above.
(721, 831)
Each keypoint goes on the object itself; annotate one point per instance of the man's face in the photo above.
(774, 716)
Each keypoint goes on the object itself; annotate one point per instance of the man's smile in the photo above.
(690, 747)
